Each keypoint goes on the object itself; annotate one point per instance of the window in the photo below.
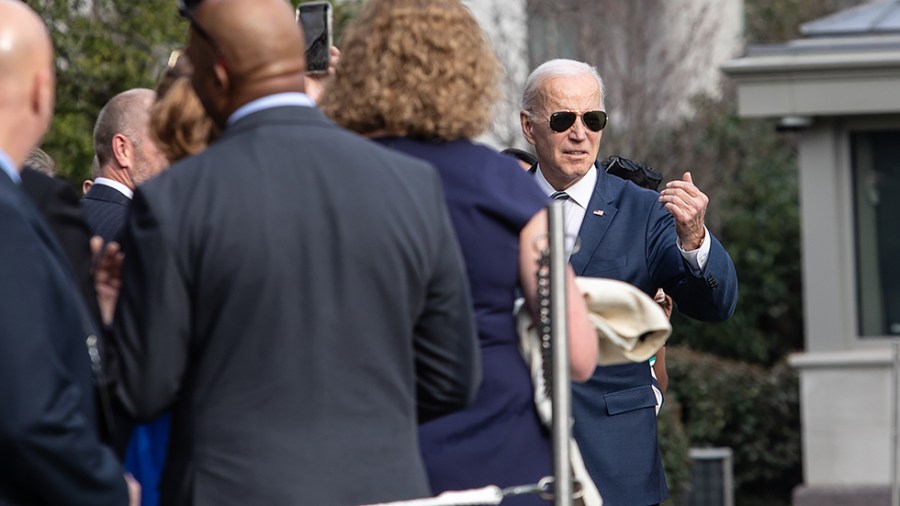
(876, 190)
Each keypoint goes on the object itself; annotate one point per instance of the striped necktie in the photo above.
(559, 196)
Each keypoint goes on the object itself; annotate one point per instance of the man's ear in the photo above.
(43, 94)
(220, 72)
(123, 150)
(527, 126)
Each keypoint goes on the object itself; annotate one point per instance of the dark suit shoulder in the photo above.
(41, 188)
(104, 193)
(105, 209)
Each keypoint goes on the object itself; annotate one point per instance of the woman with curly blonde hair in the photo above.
(420, 76)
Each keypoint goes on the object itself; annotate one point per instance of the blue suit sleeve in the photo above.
(711, 296)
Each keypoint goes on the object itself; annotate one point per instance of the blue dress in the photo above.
(498, 439)
(146, 456)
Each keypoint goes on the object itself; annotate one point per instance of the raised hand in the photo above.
(107, 271)
(688, 205)
(316, 83)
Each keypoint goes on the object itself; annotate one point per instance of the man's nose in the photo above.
(578, 131)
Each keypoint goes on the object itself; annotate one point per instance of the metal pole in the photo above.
(562, 394)
(895, 373)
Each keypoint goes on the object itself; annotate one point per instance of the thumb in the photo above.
(687, 178)
(96, 245)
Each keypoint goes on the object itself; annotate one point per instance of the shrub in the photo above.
(674, 446)
(750, 409)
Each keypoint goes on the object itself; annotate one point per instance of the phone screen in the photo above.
(315, 19)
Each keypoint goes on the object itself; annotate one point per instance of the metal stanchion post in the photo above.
(562, 400)
(895, 373)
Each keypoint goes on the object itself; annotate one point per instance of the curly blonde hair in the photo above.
(178, 123)
(417, 68)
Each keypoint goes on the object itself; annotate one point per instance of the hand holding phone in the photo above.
(315, 19)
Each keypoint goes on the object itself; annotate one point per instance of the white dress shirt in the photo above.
(124, 190)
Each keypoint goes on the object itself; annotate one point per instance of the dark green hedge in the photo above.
(723, 403)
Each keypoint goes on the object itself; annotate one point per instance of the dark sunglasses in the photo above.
(186, 8)
(563, 120)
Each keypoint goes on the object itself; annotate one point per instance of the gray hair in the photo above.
(95, 168)
(533, 92)
(121, 115)
(41, 162)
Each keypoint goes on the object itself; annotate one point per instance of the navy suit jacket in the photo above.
(50, 452)
(628, 235)
(105, 210)
(57, 202)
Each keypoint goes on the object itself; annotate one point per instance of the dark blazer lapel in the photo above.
(597, 218)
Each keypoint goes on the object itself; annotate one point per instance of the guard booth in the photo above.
(838, 88)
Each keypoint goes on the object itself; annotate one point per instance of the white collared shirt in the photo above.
(268, 102)
(124, 190)
(576, 206)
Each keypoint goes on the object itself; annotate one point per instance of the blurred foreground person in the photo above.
(420, 76)
(293, 293)
(57, 201)
(50, 453)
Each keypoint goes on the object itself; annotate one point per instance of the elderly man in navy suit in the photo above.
(631, 234)
(50, 452)
(125, 156)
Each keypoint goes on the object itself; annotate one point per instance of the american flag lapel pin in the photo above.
(598, 212)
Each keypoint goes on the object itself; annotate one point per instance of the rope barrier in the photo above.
(486, 496)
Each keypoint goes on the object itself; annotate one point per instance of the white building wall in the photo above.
(713, 29)
(504, 22)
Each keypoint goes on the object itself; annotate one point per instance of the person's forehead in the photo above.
(571, 92)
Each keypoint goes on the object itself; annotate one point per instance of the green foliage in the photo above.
(770, 21)
(674, 446)
(102, 48)
(750, 409)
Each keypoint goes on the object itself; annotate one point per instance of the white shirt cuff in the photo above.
(698, 257)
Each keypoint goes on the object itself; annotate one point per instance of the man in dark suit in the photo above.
(125, 156)
(631, 234)
(57, 202)
(50, 452)
(294, 294)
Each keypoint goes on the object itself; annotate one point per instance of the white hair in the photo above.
(552, 69)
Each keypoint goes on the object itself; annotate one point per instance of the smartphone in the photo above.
(315, 19)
